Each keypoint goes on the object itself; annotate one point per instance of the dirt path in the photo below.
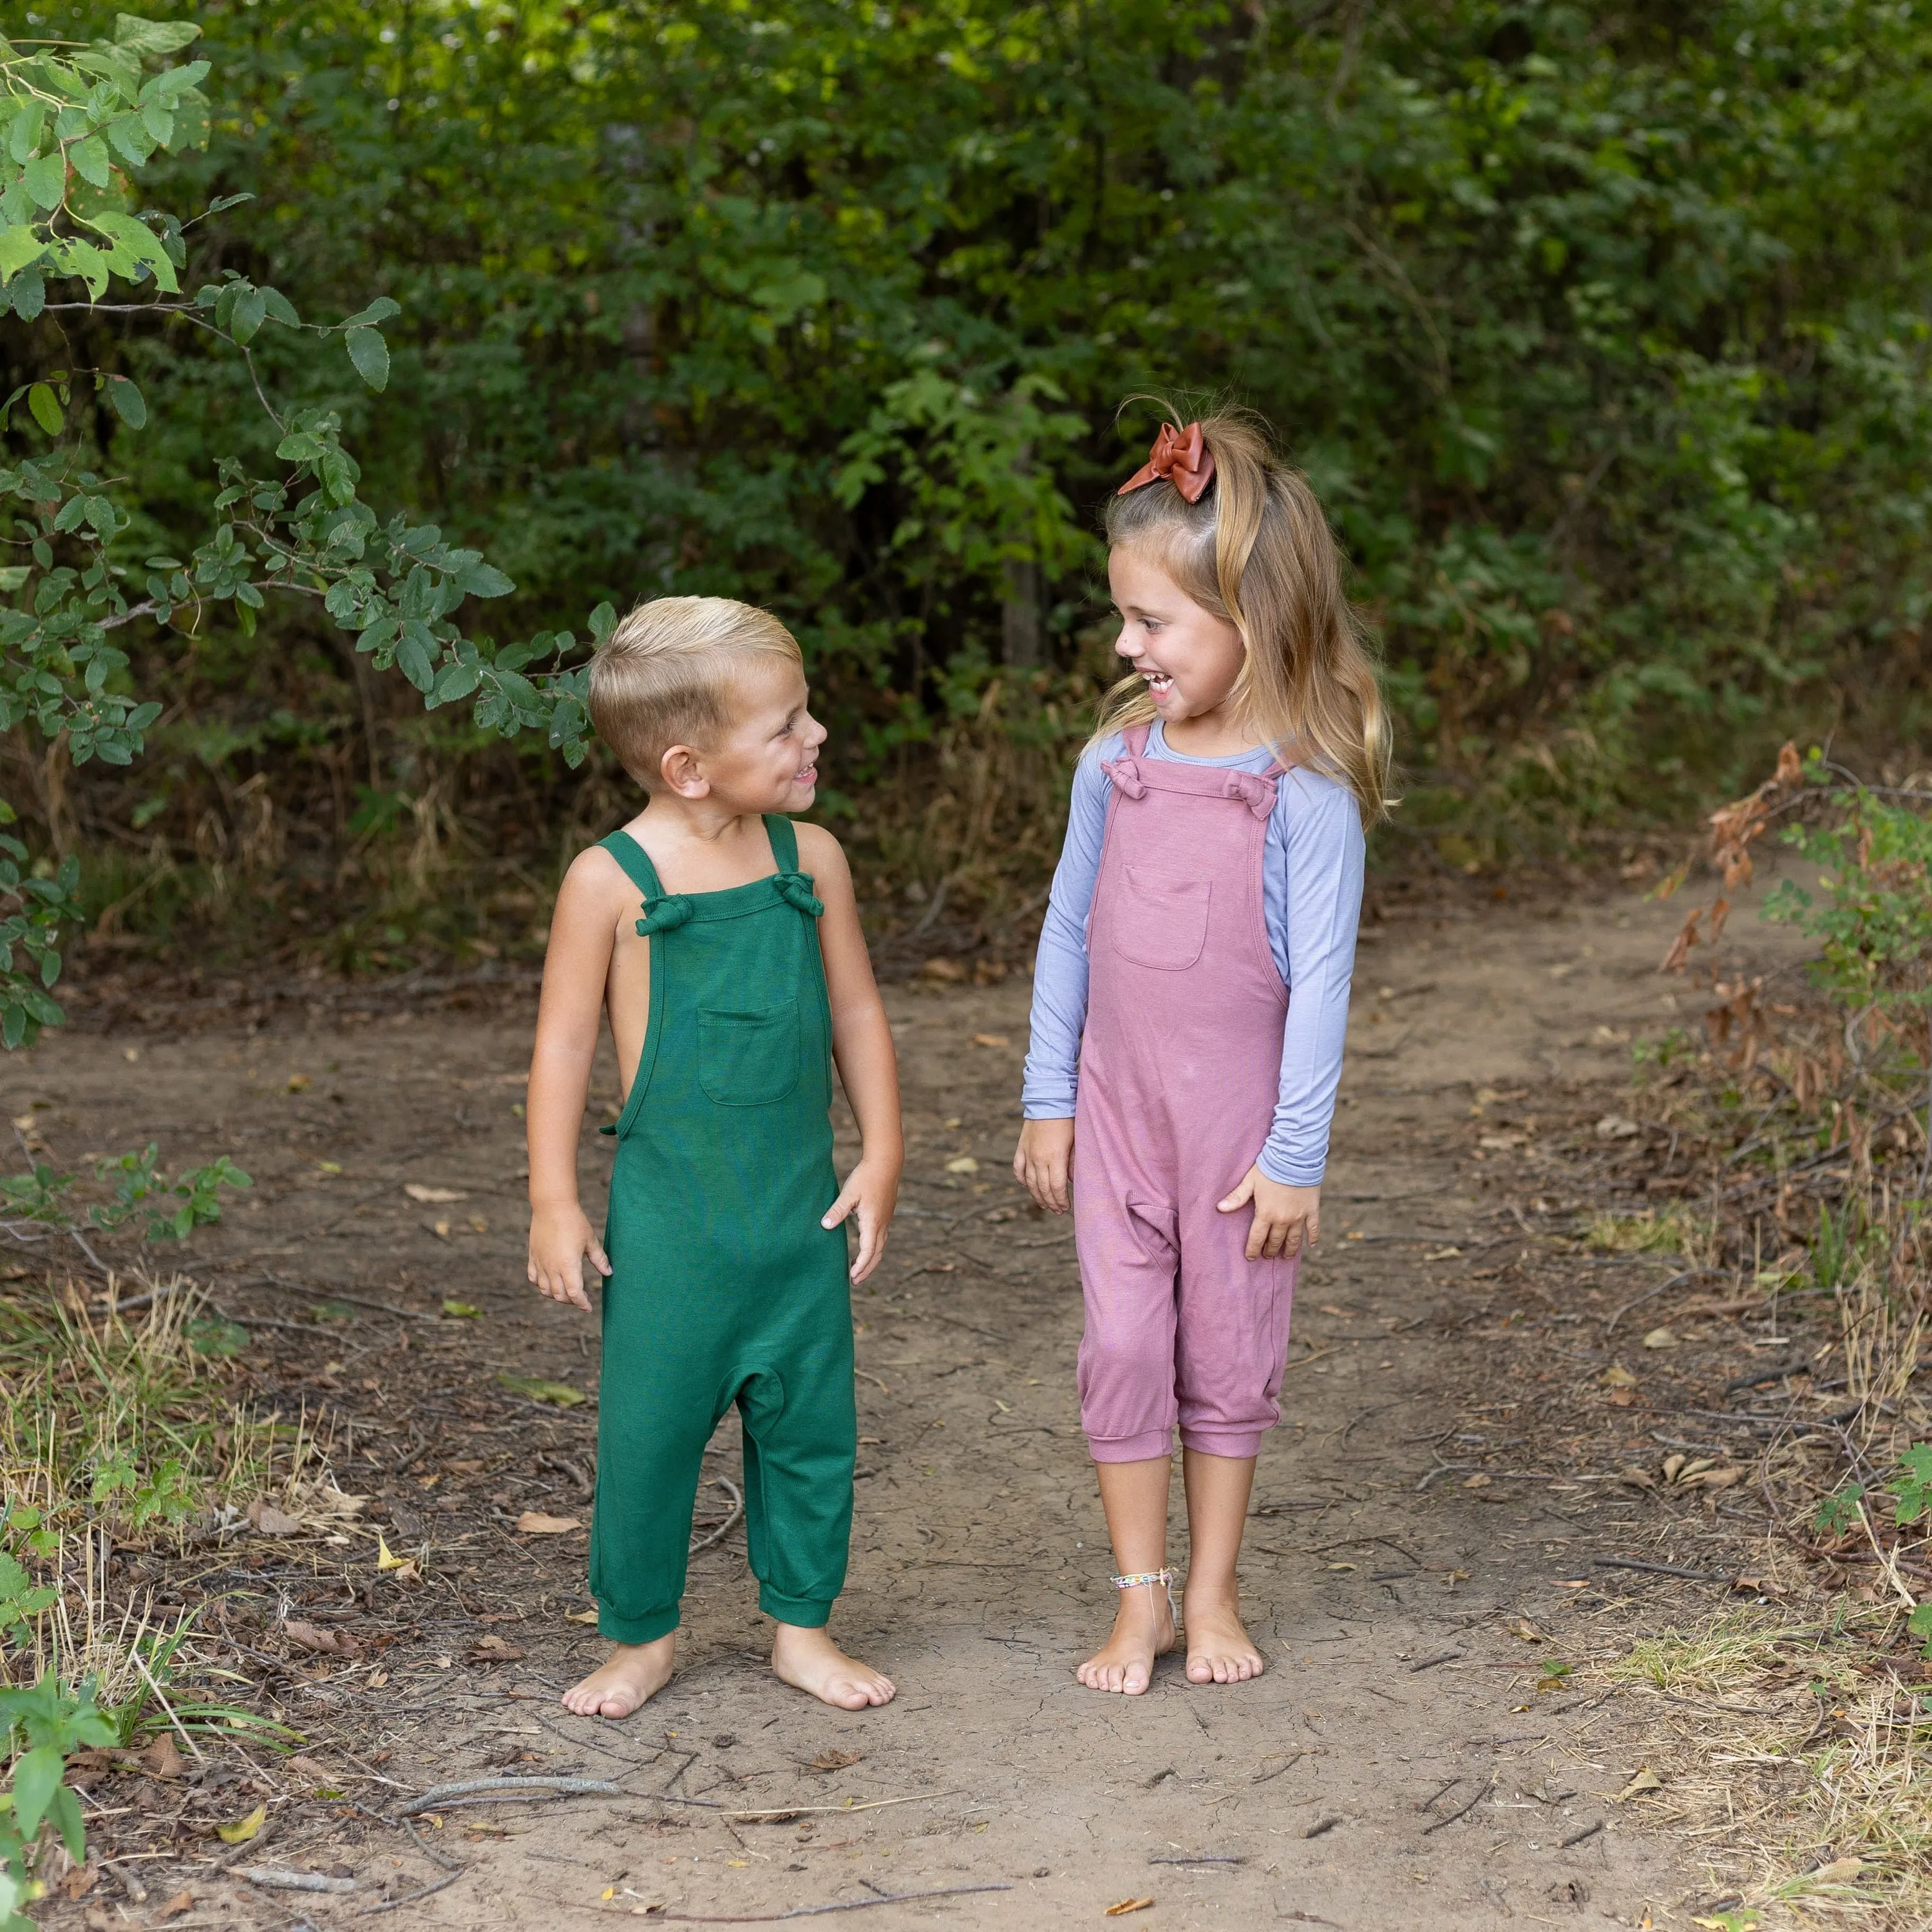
(1395, 1768)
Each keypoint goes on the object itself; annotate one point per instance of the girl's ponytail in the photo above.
(1254, 549)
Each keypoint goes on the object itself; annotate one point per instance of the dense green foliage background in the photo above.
(1602, 330)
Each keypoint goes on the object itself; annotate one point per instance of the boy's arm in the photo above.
(576, 966)
(862, 1044)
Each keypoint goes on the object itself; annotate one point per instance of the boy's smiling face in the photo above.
(767, 759)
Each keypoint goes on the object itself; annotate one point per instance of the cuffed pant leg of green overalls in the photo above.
(724, 1287)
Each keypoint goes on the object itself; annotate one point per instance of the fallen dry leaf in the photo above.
(1840, 1871)
(161, 1759)
(328, 1642)
(1527, 1631)
(1639, 1479)
(182, 1901)
(442, 1231)
(1660, 1338)
(416, 1191)
(81, 1880)
(836, 1760)
(580, 1616)
(1620, 1398)
(1617, 1376)
(1477, 1481)
(942, 969)
(1611, 1127)
(494, 1649)
(306, 1771)
(992, 1040)
(1646, 1779)
(963, 1163)
(243, 1829)
(270, 1521)
(534, 1523)
(1127, 1905)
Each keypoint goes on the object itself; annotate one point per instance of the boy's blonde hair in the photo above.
(1257, 552)
(663, 676)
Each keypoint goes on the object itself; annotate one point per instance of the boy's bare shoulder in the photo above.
(819, 853)
(594, 876)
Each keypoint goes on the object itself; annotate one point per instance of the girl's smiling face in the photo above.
(1188, 657)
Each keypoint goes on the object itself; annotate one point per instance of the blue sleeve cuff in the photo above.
(1289, 1173)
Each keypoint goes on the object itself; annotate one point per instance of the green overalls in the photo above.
(723, 1287)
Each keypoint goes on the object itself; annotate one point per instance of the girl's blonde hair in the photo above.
(1256, 551)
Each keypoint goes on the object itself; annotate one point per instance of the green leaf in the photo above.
(36, 1778)
(46, 179)
(413, 658)
(126, 402)
(136, 241)
(90, 160)
(18, 247)
(370, 355)
(250, 311)
(46, 411)
(24, 136)
(154, 38)
(483, 579)
(379, 310)
(538, 1390)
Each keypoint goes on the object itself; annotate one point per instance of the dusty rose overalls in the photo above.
(1180, 1065)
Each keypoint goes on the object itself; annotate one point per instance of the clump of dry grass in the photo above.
(1797, 1760)
(134, 1422)
(1673, 1230)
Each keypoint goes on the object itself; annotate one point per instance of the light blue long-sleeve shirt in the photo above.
(1311, 897)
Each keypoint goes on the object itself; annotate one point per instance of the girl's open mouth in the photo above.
(1158, 683)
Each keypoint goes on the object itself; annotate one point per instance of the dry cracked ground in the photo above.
(1429, 1524)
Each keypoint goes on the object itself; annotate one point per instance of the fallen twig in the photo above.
(410, 1897)
(1482, 1791)
(1576, 1837)
(796, 1912)
(1430, 1663)
(782, 1812)
(1202, 1859)
(440, 1795)
(295, 1881)
(1661, 1569)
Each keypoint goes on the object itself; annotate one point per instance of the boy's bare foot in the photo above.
(809, 1661)
(1143, 1629)
(1219, 1650)
(630, 1674)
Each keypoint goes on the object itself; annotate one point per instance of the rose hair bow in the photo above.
(1181, 456)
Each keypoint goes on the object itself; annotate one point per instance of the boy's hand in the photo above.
(871, 1192)
(1286, 1218)
(1043, 1163)
(560, 1237)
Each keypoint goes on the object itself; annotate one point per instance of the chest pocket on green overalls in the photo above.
(748, 1058)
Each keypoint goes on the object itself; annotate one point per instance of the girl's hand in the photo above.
(871, 1192)
(560, 1237)
(1286, 1218)
(1043, 1163)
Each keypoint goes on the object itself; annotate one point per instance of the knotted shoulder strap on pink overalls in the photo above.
(1180, 1065)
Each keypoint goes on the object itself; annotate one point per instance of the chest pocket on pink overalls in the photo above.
(1161, 920)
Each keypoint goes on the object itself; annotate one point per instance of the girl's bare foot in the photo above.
(1143, 1629)
(809, 1661)
(1219, 1650)
(630, 1674)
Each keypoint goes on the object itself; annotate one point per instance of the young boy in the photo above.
(729, 999)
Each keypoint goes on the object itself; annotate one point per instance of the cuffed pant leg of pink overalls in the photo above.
(1179, 1067)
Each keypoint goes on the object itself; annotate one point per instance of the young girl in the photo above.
(1213, 861)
